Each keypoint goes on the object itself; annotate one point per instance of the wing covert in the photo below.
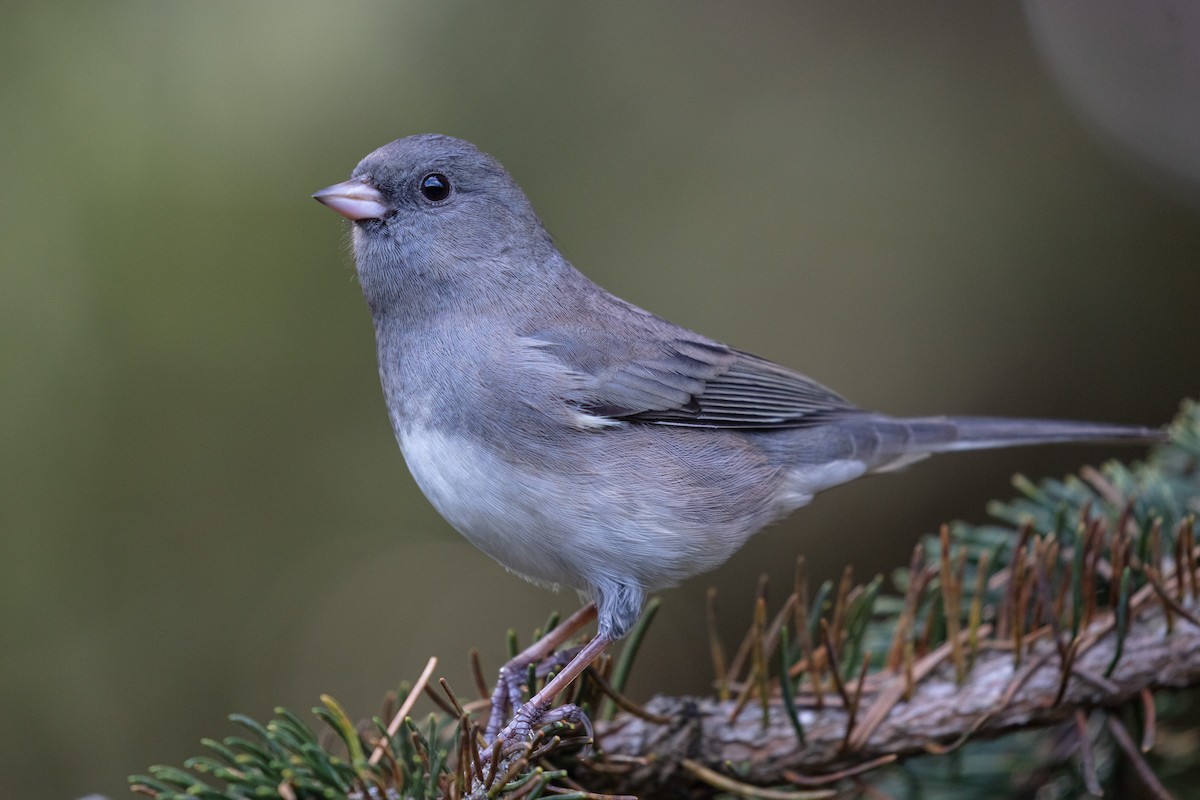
(689, 381)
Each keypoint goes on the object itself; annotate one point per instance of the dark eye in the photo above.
(435, 187)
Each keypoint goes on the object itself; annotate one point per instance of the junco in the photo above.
(577, 439)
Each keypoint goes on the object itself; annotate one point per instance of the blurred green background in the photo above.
(202, 507)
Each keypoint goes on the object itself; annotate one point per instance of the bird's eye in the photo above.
(435, 187)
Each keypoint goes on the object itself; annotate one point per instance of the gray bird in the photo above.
(575, 438)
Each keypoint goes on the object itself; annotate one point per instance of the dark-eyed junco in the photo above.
(577, 439)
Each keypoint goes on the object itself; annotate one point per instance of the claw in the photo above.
(528, 718)
(538, 712)
(572, 716)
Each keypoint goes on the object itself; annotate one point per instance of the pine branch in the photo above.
(1088, 601)
(941, 715)
(1085, 599)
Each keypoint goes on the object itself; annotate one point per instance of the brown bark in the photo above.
(996, 696)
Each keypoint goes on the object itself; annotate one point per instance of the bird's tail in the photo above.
(887, 443)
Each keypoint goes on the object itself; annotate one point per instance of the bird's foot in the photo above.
(538, 714)
(514, 682)
(532, 718)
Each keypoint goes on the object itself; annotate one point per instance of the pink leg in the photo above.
(507, 693)
(533, 712)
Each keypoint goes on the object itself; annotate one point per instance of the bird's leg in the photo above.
(537, 710)
(507, 693)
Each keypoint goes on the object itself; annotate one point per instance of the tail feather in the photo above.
(887, 443)
(942, 434)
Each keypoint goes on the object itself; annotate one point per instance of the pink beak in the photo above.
(354, 200)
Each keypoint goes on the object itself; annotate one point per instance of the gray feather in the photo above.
(573, 436)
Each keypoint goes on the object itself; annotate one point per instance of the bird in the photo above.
(576, 438)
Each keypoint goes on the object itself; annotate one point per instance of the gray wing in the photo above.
(685, 379)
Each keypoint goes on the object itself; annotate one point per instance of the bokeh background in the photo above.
(932, 207)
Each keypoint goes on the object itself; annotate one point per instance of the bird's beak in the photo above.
(354, 199)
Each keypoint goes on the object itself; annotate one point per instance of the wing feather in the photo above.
(687, 380)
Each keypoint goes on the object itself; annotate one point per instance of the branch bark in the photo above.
(997, 696)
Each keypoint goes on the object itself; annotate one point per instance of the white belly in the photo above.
(503, 511)
(589, 527)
